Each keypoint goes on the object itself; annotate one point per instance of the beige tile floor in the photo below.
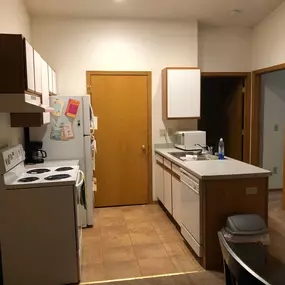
(133, 241)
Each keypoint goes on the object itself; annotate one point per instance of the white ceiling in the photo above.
(215, 12)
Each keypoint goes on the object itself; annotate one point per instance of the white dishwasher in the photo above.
(190, 211)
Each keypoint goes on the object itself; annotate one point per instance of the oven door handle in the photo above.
(81, 179)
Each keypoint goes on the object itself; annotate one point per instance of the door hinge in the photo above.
(242, 132)
(243, 90)
(89, 89)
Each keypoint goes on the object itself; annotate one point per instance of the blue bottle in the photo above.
(221, 149)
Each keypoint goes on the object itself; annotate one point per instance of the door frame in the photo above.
(247, 106)
(256, 110)
(149, 113)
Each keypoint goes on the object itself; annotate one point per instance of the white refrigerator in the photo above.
(68, 137)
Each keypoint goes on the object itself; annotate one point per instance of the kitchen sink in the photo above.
(182, 155)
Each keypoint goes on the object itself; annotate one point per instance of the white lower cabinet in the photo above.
(159, 180)
(168, 186)
(167, 189)
(176, 199)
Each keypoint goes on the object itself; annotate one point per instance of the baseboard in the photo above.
(275, 190)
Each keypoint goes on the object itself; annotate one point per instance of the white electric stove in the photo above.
(40, 227)
(22, 176)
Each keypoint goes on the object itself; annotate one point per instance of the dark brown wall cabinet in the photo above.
(23, 71)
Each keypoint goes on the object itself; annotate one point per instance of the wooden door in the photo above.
(121, 102)
(234, 122)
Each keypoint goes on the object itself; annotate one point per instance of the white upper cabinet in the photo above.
(50, 79)
(181, 93)
(38, 72)
(45, 91)
(30, 67)
(54, 83)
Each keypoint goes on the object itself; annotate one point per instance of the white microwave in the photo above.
(190, 140)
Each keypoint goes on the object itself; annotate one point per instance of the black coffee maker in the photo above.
(35, 153)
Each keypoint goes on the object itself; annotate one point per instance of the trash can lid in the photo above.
(246, 225)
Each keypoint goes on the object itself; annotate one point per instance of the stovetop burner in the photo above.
(57, 177)
(64, 168)
(28, 179)
(38, 171)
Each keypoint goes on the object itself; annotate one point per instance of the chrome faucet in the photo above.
(208, 149)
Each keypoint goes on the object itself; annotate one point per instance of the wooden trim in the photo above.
(175, 175)
(134, 73)
(224, 74)
(255, 121)
(149, 114)
(38, 94)
(30, 91)
(247, 106)
(247, 118)
(184, 118)
(256, 111)
(164, 80)
(270, 69)
(275, 190)
(159, 163)
(166, 68)
(167, 169)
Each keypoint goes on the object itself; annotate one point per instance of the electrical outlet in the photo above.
(276, 128)
(162, 132)
(275, 170)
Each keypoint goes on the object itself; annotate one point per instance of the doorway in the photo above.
(272, 126)
(122, 103)
(224, 113)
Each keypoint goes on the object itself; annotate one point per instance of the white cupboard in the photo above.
(54, 83)
(38, 72)
(159, 178)
(50, 79)
(45, 91)
(30, 67)
(167, 188)
(176, 194)
(181, 93)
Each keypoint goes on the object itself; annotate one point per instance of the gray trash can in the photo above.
(248, 234)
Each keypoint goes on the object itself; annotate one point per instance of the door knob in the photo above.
(143, 147)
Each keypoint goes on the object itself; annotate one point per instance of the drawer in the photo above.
(159, 158)
(176, 169)
(167, 163)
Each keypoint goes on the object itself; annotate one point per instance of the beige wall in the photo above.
(224, 49)
(14, 19)
(269, 40)
(74, 46)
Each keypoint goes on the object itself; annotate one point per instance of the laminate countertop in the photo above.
(215, 169)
